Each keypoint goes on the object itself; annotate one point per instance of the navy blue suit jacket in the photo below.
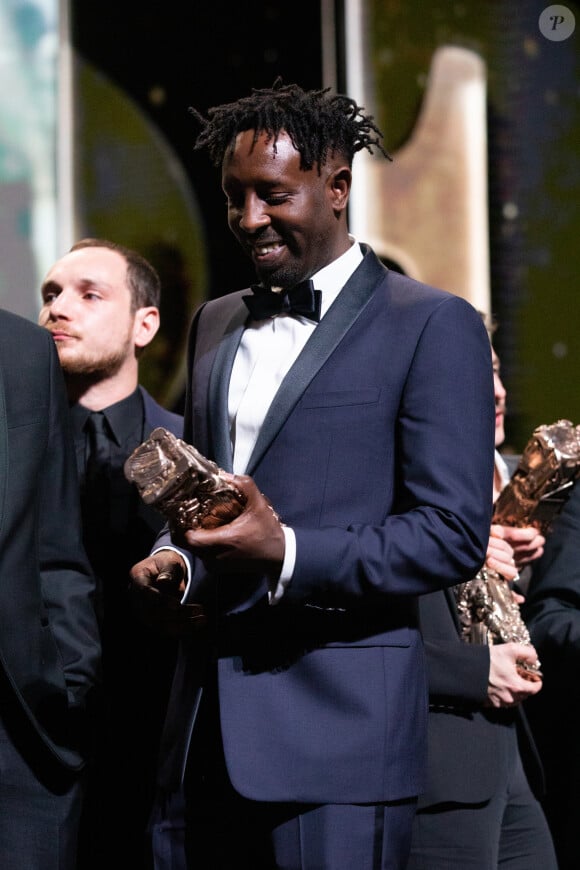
(157, 415)
(49, 641)
(378, 451)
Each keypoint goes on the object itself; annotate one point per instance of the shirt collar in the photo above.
(332, 278)
(121, 416)
(502, 468)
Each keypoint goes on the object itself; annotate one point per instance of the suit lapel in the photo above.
(219, 385)
(221, 336)
(340, 317)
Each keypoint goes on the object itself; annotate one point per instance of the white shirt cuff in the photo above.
(187, 568)
(276, 593)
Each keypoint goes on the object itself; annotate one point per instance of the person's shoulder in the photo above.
(225, 302)
(408, 285)
(17, 330)
(413, 287)
(11, 321)
(157, 415)
(409, 293)
(213, 317)
(405, 286)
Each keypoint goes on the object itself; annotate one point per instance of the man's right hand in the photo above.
(500, 554)
(157, 585)
(506, 688)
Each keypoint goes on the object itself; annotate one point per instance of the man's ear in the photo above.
(146, 325)
(339, 182)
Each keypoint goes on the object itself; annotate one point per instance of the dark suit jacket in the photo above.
(137, 663)
(373, 451)
(125, 533)
(138, 666)
(150, 520)
(156, 415)
(552, 613)
(466, 752)
(466, 740)
(552, 608)
(49, 645)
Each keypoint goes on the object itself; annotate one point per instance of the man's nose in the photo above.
(59, 308)
(253, 215)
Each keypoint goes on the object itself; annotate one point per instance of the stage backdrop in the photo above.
(115, 156)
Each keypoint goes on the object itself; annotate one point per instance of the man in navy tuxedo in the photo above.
(355, 415)
(49, 640)
(101, 306)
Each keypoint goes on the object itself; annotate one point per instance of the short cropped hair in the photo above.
(318, 123)
(142, 278)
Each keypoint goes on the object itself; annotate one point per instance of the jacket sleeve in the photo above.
(437, 531)
(457, 672)
(67, 582)
(552, 607)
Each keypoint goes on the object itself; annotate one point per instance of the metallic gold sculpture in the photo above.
(537, 491)
(543, 480)
(188, 489)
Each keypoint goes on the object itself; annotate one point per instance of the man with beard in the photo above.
(354, 407)
(101, 304)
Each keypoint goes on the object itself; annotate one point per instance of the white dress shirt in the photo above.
(267, 351)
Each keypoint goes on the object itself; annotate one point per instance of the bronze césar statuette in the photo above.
(536, 493)
(181, 483)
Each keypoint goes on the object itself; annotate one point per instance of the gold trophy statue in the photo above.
(188, 489)
(536, 493)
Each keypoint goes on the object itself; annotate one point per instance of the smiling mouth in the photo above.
(266, 248)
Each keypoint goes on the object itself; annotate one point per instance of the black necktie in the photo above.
(99, 446)
(95, 495)
(302, 299)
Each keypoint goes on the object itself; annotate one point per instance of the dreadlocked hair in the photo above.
(317, 123)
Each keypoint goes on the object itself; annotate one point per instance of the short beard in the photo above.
(80, 374)
(284, 278)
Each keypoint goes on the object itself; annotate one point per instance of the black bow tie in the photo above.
(301, 299)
